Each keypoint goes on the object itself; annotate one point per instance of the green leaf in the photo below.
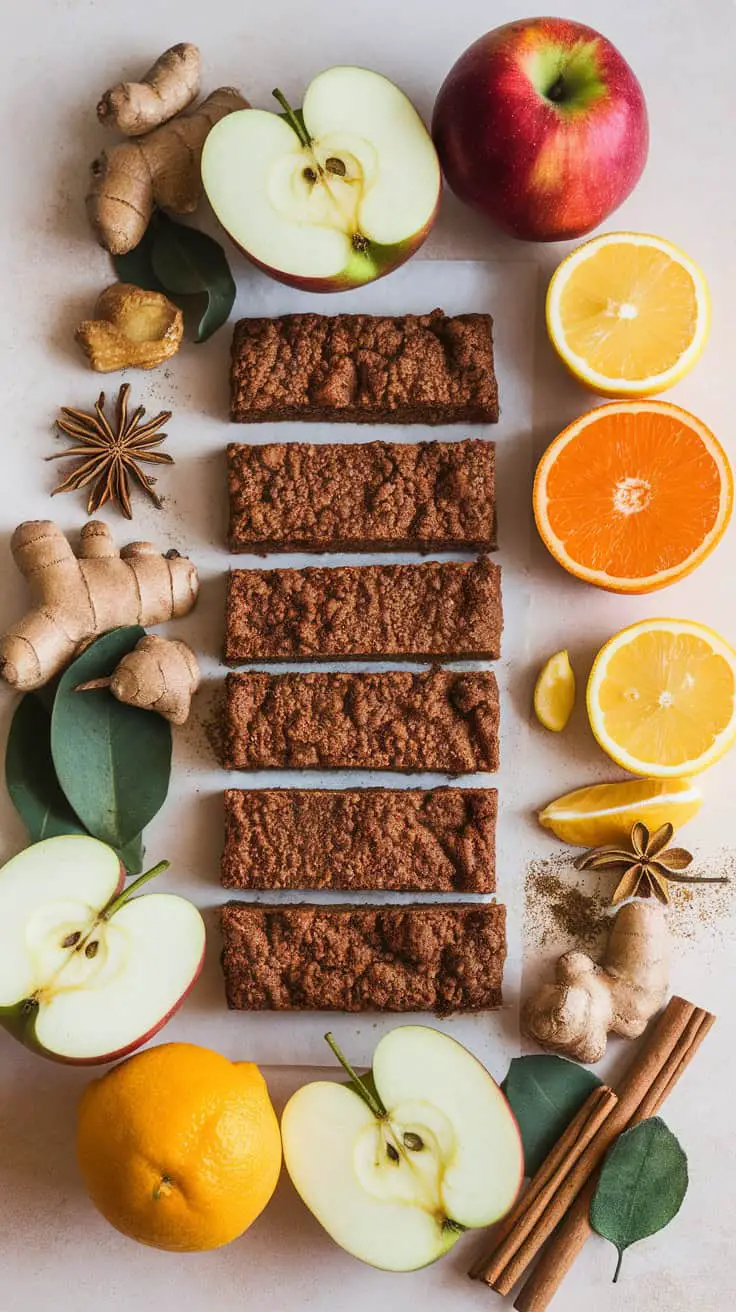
(545, 1093)
(34, 788)
(30, 775)
(641, 1186)
(132, 855)
(136, 266)
(112, 761)
(189, 263)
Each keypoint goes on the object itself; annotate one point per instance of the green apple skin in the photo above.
(243, 164)
(19, 1020)
(327, 1123)
(363, 267)
(541, 126)
(20, 1023)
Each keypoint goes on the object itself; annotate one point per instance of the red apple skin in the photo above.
(16, 1024)
(542, 173)
(388, 258)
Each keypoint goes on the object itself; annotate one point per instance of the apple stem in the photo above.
(128, 892)
(362, 1089)
(557, 91)
(292, 118)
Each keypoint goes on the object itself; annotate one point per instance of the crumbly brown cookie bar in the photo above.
(439, 840)
(433, 611)
(402, 959)
(436, 720)
(373, 496)
(364, 368)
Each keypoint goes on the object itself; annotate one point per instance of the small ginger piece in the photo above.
(132, 328)
(171, 84)
(162, 168)
(587, 1001)
(160, 674)
(78, 597)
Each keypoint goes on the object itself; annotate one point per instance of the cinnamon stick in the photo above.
(665, 1056)
(507, 1261)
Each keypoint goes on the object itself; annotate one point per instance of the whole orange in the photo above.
(179, 1147)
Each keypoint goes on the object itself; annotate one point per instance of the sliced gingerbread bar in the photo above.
(432, 611)
(441, 840)
(364, 369)
(372, 496)
(436, 720)
(311, 958)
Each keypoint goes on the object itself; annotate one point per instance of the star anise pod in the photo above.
(648, 868)
(112, 452)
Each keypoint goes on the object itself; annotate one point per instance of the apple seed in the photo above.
(336, 166)
(71, 940)
(309, 175)
(392, 1153)
(414, 1142)
(91, 948)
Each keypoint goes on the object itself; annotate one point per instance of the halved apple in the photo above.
(398, 1164)
(87, 971)
(330, 196)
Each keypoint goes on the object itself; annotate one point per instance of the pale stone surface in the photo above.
(55, 1251)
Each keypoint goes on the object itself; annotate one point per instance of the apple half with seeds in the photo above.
(398, 1164)
(330, 196)
(88, 972)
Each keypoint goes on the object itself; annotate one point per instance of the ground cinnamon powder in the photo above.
(571, 908)
(558, 905)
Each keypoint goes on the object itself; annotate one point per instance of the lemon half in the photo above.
(628, 313)
(662, 698)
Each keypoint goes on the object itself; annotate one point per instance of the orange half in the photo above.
(633, 495)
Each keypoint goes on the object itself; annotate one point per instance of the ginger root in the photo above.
(78, 597)
(166, 89)
(620, 995)
(159, 674)
(132, 328)
(162, 168)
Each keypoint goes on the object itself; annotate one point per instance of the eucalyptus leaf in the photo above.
(545, 1093)
(132, 855)
(112, 761)
(641, 1186)
(136, 266)
(30, 775)
(189, 263)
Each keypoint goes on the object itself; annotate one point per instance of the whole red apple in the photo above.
(542, 126)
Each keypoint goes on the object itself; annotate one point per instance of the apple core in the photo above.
(331, 195)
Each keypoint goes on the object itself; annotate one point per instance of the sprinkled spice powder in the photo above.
(697, 913)
(557, 904)
(560, 904)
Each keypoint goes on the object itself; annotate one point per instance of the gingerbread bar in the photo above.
(432, 611)
(440, 840)
(364, 369)
(310, 958)
(436, 720)
(373, 496)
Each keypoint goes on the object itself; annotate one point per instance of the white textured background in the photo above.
(54, 1250)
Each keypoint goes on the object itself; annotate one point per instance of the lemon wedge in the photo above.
(554, 692)
(606, 813)
(662, 698)
(628, 313)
